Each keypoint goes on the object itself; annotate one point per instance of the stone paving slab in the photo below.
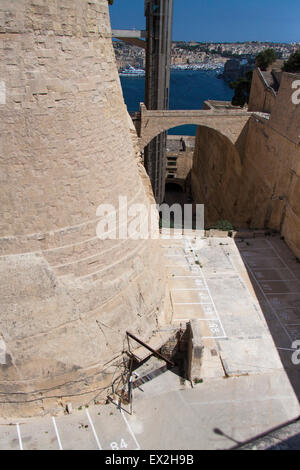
(258, 243)
(250, 319)
(288, 300)
(182, 271)
(294, 331)
(253, 285)
(75, 432)
(211, 328)
(190, 312)
(259, 262)
(289, 315)
(191, 296)
(116, 435)
(284, 438)
(282, 287)
(183, 283)
(249, 355)
(240, 408)
(44, 438)
(254, 252)
(176, 262)
(94, 428)
(9, 438)
(273, 274)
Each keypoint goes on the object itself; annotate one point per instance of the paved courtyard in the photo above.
(245, 297)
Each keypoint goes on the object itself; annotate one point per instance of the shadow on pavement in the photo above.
(274, 272)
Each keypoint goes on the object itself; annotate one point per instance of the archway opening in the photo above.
(174, 193)
(174, 187)
(187, 129)
(179, 161)
(205, 169)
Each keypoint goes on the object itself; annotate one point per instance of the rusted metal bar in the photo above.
(155, 353)
(130, 385)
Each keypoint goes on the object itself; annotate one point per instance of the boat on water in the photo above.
(206, 66)
(130, 71)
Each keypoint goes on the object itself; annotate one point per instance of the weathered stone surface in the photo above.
(255, 182)
(229, 123)
(216, 163)
(218, 233)
(180, 151)
(195, 352)
(262, 96)
(66, 297)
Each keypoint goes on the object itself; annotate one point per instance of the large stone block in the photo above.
(67, 297)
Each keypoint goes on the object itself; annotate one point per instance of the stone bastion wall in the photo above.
(66, 297)
(264, 192)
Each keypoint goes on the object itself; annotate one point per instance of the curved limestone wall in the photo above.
(66, 297)
(265, 194)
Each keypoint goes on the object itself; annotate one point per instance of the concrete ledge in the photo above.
(237, 234)
(218, 233)
(195, 351)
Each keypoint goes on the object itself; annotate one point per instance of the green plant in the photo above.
(241, 89)
(292, 65)
(266, 58)
(198, 381)
(224, 225)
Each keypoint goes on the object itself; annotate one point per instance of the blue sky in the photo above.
(220, 20)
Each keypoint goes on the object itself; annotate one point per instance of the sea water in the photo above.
(188, 90)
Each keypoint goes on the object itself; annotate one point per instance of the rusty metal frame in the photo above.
(155, 353)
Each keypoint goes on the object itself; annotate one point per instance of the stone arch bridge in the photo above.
(227, 121)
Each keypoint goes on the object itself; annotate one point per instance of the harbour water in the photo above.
(188, 90)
